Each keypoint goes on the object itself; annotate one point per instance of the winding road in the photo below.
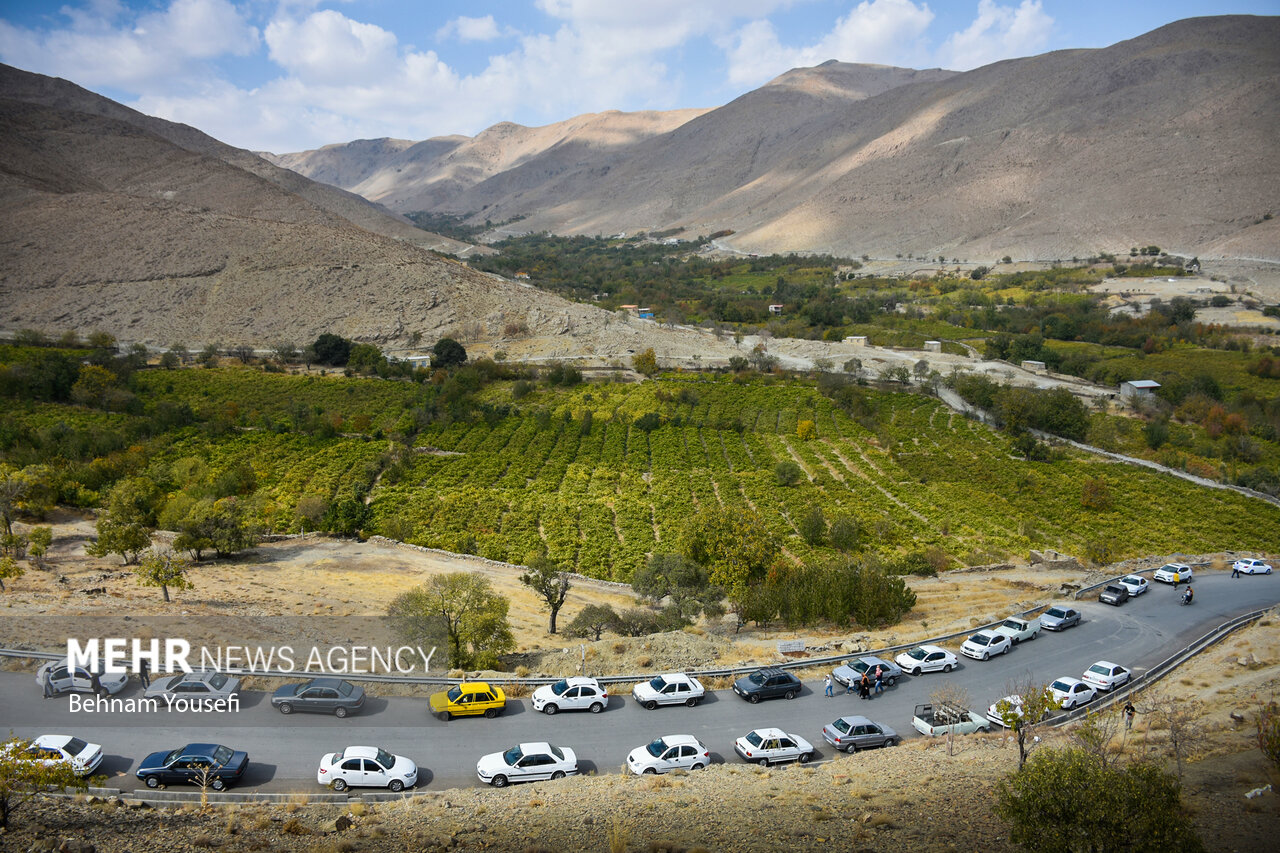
(285, 751)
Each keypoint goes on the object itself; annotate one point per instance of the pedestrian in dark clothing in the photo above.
(1235, 570)
(143, 675)
(95, 681)
(864, 687)
(1129, 711)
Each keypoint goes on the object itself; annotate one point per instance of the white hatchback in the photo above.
(368, 767)
(571, 694)
(527, 762)
(667, 753)
(986, 644)
(1071, 692)
(1106, 676)
(773, 746)
(67, 679)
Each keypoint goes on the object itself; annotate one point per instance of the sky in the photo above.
(292, 75)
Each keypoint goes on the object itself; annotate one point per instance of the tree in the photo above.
(24, 492)
(951, 694)
(844, 533)
(1179, 717)
(552, 585)
(94, 386)
(128, 539)
(592, 621)
(733, 544)
(1023, 711)
(806, 430)
(1066, 800)
(677, 577)
(9, 569)
(448, 353)
(332, 349)
(310, 511)
(163, 568)
(788, 473)
(1269, 731)
(462, 608)
(813, 526)
(40, 538)
(645, 362)
(23, 775)
(347, 517)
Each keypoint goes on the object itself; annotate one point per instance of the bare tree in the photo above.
(1095, 733)
(952, 695)
(1180, 717)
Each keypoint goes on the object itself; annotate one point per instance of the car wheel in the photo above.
(891, 680)
(340, 713)
(764, 762)
(596, 707)
(396, 786)
(893, 741)
(1036, 634)
(286, 708)
(559, 774)
(499, 781)
(446, 716)
(755, 698)
(851, 748)
(986, 655)
(984, 729)
(153, 781)
(697, 765)
(218, 785)
(691, 702)
(790, 694)
(1006, 650)
(946, 668)
(649, 771)
(490, 713)
(805, 757)
(651, 705)
(1014, 641)
(915, 671)
(549, 710)
(339, 785)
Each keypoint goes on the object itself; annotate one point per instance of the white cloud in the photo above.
(329, 47)
(998, 32)
(881, 31)
(470, 29)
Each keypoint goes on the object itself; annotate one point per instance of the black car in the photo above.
(320, 695)
(1114, 594)
(767, 683)
(218, 767)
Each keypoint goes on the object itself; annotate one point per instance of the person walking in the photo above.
(1129, 711)
(1235, 570)
(95, 681)
(144, 674)
(46, 681)
(826, 684)
(879, 686)
(864, 686)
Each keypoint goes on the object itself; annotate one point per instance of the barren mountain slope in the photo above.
(35, 89)
(1169, 138)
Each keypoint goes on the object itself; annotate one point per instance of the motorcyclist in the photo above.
(1187, 596)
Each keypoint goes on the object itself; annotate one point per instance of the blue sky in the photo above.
(288, 75)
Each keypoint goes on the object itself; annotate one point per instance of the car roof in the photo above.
(535, 746)
(474, 687)
(674, 676)
(52, 741)
(1105, 663)
(931, 648)
(324, 682)
(675, 740)
(771, 732)
(577, 680)
(1067, 679)
(202, 675)
(1175, 566)
(360, 752)
(200, 749)
(858, 720)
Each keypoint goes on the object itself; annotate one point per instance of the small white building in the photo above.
(856, 340)
(1033, 366)
(775, 309)
(933, 346)
(1137, 389)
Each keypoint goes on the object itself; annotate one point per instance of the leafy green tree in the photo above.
(464, 608)
(733, 544)
(551, 584)
(1065, 799)
(813, 526)
(677, 577)
(788, 473)
(592, 621)
(163, 568)
(126, 538)
(332, 349)
(448, 353)
(366, 358)
(645, 362)
(94, 386)
(40, 538)
(844, 533)
(1025, 716)
(1156, 433)
(224, 526)
(9, 570)
(347, 517)
(24, 775)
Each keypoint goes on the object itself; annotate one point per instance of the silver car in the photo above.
(78, 679)
(853, 733)
(849, 673)
(1057, 618)
(198, 687)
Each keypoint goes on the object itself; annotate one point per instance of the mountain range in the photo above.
(1168, 139)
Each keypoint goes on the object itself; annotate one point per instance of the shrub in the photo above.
(813, 526)
(788, 473)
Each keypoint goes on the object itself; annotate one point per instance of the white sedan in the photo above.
(1174, 573)
(571, 694)
(1006, 710)
(667, 753)
(366, 766)
(1251, 567)
(1136, 584)
(772, 746)
(984, 644)
(67, 679)
(55, 749)
(1071, 692)
(1107, 676)
(527, 762)
(926, 659)
(673, 688)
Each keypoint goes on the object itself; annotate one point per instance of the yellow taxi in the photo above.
(469, 699)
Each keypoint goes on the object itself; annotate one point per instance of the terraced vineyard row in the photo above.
(599, 494)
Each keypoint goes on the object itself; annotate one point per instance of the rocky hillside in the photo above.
(1168, 138)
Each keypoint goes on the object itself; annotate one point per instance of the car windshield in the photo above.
(454, 693)
(1100, 669)
(512, 755)
(658, 683)
(754, 738)
(1133, 579)
(860, 666)
(917, 654)
(1015, 625)
(75, 746)
(657, 748)
(756, 678)
(840, 725)
(345, 688)
(1114, 589)
(217, 681)
(1062, 685)
(173, 682)
(560, 687)
(1057, 613)
(386, 759)
(981, 639)
(222, 754)
(169, 759)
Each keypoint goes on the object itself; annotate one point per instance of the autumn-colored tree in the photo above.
(806, 430)
(163, 568)
(24, 774)
(732, 543)
(9, 569)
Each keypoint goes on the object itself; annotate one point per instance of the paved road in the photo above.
(284, 751)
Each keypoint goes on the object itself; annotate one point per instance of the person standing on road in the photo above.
(95, 682)
(864, 686)
(826, 684)
(1128, 712)
(1235, 570)
(144, 675)
(879, 686)
(46, 681)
